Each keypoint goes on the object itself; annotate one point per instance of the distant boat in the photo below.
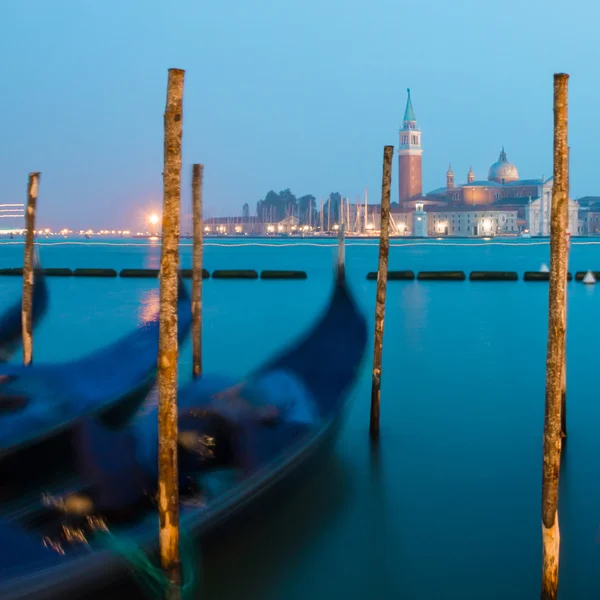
(589, 278)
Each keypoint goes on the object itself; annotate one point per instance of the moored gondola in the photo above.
(308, 384)
(39, 402)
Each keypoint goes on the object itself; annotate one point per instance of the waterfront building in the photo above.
(502, 203)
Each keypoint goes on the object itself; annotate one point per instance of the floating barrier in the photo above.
(283, 274)
(493, 276)
(52, 272)
(441, 276)
(581, 275)
(291, 274)
(187, 273)
(94, 273)
(55, 272)
(140, 273)
(235, 274)
(14, 271)
(541, 276)
(393, 276)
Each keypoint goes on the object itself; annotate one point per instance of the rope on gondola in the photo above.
(148, 575)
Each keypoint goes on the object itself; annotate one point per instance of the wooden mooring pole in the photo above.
(341, 253)
(557, 329)
(28, 266)
(168, 492)
(563, 398)
(382, 271)
(197, 176)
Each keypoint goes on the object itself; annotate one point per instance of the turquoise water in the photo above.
(450, 505)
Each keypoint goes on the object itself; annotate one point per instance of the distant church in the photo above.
(501, 191)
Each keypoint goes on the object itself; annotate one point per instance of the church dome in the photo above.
(503, 171)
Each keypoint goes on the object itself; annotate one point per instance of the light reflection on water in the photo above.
(149, 305)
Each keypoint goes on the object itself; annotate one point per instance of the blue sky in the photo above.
(282, 93)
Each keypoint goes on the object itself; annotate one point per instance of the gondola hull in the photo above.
(97, 572)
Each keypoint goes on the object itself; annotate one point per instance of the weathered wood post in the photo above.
(27, 300)
(197, 176)
(341, 253)
(563, 395)
(563, 399)
(382, 272)
(168, 492)
(556, 343)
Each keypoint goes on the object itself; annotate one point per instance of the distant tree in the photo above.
(245, 211)
(307, 207)
(288, 202)
(335, 199)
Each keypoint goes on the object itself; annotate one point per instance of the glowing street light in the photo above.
(153, 219)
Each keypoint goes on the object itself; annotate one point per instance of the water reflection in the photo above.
(152, 258)
(149, 305)
(262, 549)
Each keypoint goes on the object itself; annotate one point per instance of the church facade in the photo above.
(501, 204)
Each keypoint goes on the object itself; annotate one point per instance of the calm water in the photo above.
(450, 506)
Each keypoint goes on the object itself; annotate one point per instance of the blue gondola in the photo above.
(308, 384)
(40, 401)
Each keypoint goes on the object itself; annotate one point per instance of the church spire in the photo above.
(409, 113)
(470, 175)
(449, 178)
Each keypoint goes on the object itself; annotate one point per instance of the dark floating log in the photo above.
(541, 276)
(95, 273)
(187, 273)
(493, 276)
(441, 276)
(50, 272)
(12, 271)
(55, 272)
(581, 274)
(393, 276)
(140, 273)
(283, 274)
(235, 274)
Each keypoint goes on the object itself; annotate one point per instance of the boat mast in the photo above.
(321, 215)
(348, 211)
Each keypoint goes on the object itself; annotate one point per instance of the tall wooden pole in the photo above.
(168, 492)
(27, 300)
(556, 343)
(382, 272)
(563, 398)
(197, 176)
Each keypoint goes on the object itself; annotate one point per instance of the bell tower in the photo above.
(410, 176)
(449, 178)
